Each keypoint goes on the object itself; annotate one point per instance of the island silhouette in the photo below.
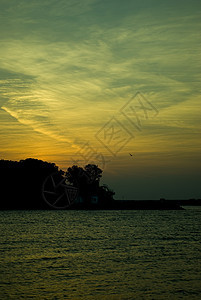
(36, 184)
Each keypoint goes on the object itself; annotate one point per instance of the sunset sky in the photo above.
(75, 76)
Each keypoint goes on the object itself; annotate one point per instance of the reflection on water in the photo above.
(100, 254)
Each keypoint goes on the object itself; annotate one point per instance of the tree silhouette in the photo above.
(21, 183)
(88, 181)
(94, 173)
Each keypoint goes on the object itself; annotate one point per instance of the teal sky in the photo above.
(68, 67)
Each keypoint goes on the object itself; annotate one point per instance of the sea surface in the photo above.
(100, 254)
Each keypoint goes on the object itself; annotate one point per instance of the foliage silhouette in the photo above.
(21, 183)
(21, 187)
(88, 181)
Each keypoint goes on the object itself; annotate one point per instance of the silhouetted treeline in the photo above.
(88, 181)
(21, 183)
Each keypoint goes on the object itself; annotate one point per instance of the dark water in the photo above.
(100, 254)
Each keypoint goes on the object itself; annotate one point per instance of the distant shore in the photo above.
(161, 204)
(132, 205)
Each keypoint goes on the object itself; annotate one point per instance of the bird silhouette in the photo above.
(130, 154)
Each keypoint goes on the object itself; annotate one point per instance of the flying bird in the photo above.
(130, 154)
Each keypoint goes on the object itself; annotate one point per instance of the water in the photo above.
(100, 254)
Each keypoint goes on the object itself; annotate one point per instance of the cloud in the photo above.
(68, 70)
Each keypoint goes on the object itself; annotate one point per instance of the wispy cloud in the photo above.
(73, 70)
